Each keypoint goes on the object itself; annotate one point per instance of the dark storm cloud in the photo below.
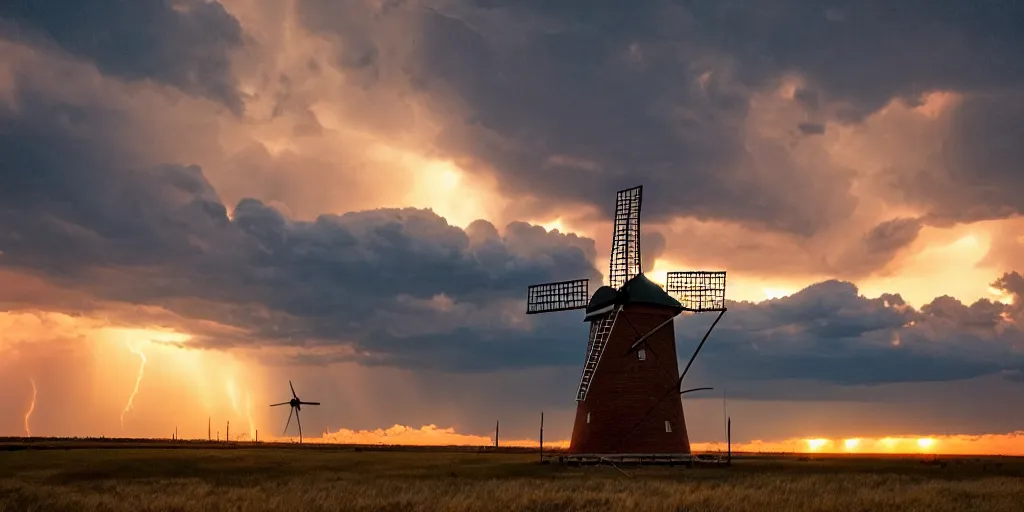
(566, 103)
(869, 52)
(399, 285)
(978, 173)
(183, 43)
(829, 333)
(569, 109)
(657, 92)
(864, 54)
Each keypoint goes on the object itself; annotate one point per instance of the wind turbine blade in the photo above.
(293, 390)
(310, 403)
(299, 422)
(290, 411)
(282, 403)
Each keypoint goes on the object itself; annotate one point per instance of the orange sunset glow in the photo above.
(355, 197)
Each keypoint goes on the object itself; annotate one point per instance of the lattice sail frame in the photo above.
(698, 290)
(624, 262)
(558, 296)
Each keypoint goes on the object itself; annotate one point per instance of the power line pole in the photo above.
(728, 437)
(542, 436)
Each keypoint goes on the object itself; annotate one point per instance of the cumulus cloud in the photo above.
(401, 286)
(828, 332)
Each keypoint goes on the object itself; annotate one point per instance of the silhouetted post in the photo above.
(542, 436)
(496, 424)
(257, 437)
(218, 436)
(227, 433)
(728, 440)
(208, 436)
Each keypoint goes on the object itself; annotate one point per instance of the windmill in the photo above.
(296, 407)
(628, 398)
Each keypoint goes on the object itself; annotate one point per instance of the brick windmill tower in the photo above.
(628, 401)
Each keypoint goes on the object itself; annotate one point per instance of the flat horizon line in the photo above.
(15, 443)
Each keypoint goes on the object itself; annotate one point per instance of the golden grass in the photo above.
(298, 479)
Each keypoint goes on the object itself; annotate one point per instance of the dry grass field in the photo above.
(108, 476)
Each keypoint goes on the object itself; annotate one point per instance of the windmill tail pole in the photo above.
(699, 346)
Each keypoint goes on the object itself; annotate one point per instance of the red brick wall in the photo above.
(625, 389)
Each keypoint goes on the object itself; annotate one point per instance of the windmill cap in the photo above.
(638, 290)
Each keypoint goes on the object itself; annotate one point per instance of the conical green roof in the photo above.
(643, 290)
(639, 289)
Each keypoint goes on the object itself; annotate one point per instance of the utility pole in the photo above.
(728, 440)
(257, 437)
(496, 424)
(208, 436)
(725, 409)
(227, 433)
(542, 436)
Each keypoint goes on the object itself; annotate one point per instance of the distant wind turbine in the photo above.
(296, 406)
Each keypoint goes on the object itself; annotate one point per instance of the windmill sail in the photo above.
(559, 296)
(697, 290)
(625, 256)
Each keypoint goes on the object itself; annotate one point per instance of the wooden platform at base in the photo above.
(643, 459)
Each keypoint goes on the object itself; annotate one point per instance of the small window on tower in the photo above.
(668, 426)
(641, 354)
(588, 417)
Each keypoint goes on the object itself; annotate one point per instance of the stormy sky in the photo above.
(354, 195)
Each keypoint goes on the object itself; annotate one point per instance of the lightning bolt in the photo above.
(128, 406)
(31, 407)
